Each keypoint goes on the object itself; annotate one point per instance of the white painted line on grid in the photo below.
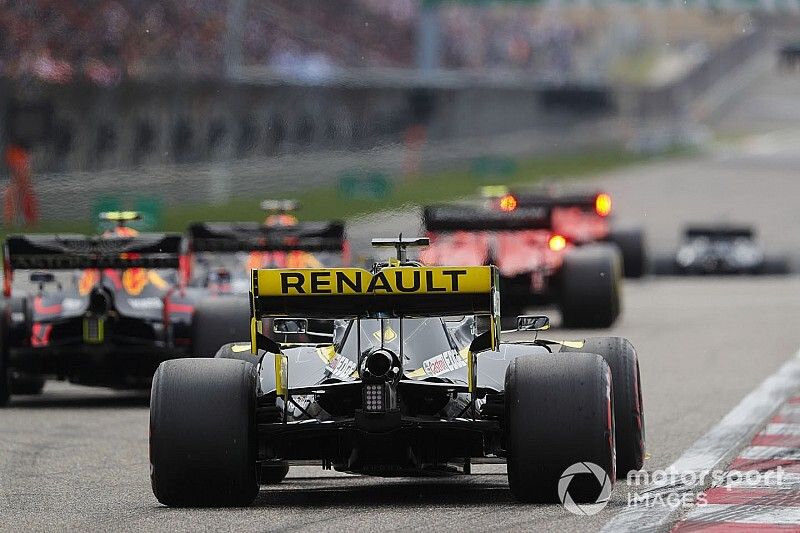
(787, 480)
(763, 453)
(711, 451)
(745, 514)
(781, 429)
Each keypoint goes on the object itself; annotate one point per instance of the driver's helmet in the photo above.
(121, 231)
(280, 220)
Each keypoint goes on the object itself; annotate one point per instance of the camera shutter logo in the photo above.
(585, 509)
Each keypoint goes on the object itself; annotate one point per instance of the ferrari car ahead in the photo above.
(720, 250)
(537, 265)
(222, 254)
(89, 309)
(586, 217)
(393, 391)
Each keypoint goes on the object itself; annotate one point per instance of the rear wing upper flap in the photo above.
(584, 200)
(475, 217)
(252, 236)
(68, 251)
(719, 231)
(391, 292)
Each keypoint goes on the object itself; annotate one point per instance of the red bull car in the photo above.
(392, 391)
(537, 265)
(93, 310)
(222, 255)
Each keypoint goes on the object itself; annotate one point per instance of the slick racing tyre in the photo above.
(775, 266)
(240, 351)
(203, 441)
(591, 286)
(632, 246)
(664, 266)
(5, 372)
(621, 357)
(218, 321)
(272, 472)
(27, 385)
(558, 413)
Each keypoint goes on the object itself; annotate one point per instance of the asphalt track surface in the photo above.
(76, 458)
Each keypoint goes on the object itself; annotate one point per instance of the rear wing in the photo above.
(719, 232)
(475, 217)
(580, 199)
(252, 237)
(70, 252)
(391, 292)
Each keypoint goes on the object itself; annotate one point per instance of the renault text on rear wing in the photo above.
(391, 292)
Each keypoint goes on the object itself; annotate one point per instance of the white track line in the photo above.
(714, 513)
(712, 451)
(782, 429)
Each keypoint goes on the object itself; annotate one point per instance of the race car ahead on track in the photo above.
(720, 250)
(583, 218)
(222, 255)
(392, 392)
(537, 265)
(90, 309)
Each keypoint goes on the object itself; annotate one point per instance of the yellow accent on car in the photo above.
(238, 348)
(93, 330)
(573, 344)
(281, 375)
(326, 353)
(389, 281)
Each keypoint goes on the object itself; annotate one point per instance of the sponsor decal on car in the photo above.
(443, 363)
(341, 367)
(145, 303)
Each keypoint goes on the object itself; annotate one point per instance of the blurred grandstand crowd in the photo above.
(104, 41)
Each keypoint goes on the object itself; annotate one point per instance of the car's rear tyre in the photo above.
(664, 265)
(559, 412)
(621, 357)
(218, 321)
(631, 244)
(5, 373)
(203, 441)
(775, 266)
(239, 351)
(590, 287)
(30, 385)
(273, 472)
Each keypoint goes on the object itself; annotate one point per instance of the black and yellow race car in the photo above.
(414, 380)
(94, 310)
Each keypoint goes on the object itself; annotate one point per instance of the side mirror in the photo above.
(289, 325)
(533, 323)
(42, 277)
(481, 343)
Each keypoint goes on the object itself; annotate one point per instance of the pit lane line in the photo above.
(711, 452)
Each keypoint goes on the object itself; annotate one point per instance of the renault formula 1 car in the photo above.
(90, 310)
(222, 254)
(586, 217)
(392, 392)
(720, 250)
(537, 265)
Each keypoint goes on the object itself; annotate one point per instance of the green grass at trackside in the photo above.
(326, 202)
